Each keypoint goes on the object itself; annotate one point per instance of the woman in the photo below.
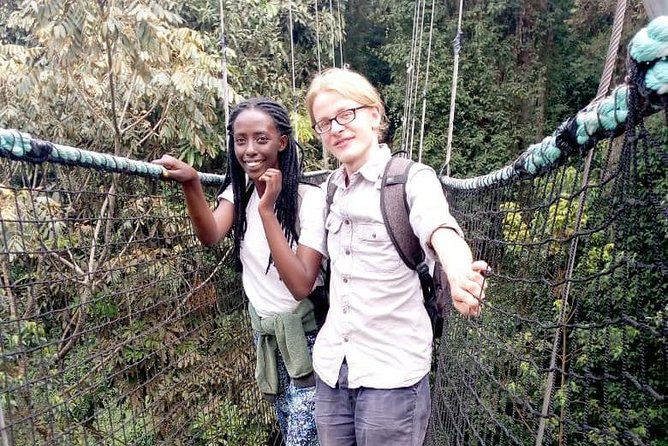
(279, 241)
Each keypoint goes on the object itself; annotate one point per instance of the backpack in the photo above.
(394, 208)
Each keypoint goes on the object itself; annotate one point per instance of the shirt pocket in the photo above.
(374, 248)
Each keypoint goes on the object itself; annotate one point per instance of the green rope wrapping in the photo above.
(651, 42)
(21, 146)
(598, 120)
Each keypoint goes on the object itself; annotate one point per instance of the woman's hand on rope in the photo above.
(177, 170)
(210, 227)
(273, 182)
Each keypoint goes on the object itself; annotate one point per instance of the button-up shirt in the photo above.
(377, 320)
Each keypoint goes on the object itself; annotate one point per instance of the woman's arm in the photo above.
(210, 226)
(297, 270)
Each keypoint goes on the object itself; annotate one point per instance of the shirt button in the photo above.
(347, 252)
(347, 222)
(345, 280)
(345, 339)
(345, 310)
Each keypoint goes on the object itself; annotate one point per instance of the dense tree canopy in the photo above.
(140, 77)
(524, 67)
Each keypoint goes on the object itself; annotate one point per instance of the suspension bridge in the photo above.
(113, 318)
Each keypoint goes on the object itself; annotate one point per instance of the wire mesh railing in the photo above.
(571, 347)
(571, 344)
(117, 326)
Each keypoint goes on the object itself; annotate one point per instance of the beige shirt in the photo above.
(377, 319)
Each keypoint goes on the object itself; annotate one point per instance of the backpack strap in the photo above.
(331, 190)
(394, 207)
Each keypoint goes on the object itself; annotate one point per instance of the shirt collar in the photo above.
(371, 170)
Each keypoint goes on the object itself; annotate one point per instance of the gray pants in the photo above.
(371, 417)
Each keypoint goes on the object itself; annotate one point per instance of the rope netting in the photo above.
(118, 327)
(571, 346)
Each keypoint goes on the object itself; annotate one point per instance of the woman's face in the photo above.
(350, 143)
(257, 142)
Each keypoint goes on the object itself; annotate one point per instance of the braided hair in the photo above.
(288, 163)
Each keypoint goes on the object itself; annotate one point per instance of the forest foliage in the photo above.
(140, 78)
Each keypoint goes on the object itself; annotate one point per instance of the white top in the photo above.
(377, 319)
(265, 290)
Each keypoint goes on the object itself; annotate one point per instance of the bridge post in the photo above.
(655, 8)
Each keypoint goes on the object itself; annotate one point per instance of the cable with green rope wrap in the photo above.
(23, 147)
(648, 74)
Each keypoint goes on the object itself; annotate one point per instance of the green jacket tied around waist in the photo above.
(285, 332)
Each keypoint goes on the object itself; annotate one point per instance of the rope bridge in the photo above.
(117, 327)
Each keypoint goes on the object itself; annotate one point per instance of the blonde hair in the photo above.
(351, 85)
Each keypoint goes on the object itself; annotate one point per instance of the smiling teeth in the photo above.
(252, 163)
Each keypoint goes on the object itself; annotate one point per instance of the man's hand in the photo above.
(464, 275)
(467, 288)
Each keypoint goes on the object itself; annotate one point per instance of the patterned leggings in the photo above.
(295, 407)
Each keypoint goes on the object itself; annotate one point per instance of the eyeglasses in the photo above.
(342, 118)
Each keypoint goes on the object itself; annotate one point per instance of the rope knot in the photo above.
(651, 42)
(566, 137)
(39, 150)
